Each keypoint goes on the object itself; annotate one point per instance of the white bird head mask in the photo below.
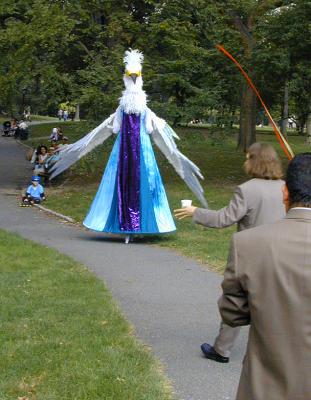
(133, 65)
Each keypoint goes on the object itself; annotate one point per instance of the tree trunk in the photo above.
(301, 122)
(232, 117)
(177, 120)
(77, 115)
(308, 139)
(284, 122)
(247, 132)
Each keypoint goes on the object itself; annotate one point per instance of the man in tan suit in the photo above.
(256, 202)
(267, 284)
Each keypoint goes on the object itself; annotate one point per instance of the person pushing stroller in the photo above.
(34, 193)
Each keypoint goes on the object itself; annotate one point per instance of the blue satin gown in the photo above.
(131, 198)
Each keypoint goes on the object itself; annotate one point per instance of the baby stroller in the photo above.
(6, 128)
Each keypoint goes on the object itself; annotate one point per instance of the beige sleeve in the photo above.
(233, 304)
(227, 216)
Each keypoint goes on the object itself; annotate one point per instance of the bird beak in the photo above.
(134, 77)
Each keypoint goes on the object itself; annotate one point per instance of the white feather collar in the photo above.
(133, 102)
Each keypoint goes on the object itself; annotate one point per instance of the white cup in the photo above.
(186, 203)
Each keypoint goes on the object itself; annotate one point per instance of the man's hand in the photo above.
(185, 212)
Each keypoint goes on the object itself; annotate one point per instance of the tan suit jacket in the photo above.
(267, 284)
(255, 202)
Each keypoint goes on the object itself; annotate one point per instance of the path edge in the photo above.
(59, 215)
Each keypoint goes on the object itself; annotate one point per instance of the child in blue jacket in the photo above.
(34, 193)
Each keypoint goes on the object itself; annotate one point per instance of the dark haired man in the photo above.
(267, 284)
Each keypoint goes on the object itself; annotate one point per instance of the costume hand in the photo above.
(185, 212)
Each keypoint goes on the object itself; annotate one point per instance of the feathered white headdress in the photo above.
(133, 59)
(134, 99)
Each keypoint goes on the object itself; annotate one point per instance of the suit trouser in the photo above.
(226, 339)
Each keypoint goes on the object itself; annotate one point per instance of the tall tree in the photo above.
(246, 17)
(60, 50)
(283, 54)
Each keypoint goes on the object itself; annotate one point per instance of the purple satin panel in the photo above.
(129, 174)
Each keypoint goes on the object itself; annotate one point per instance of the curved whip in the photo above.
(283, 142)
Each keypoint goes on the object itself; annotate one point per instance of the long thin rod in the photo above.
(283, 142)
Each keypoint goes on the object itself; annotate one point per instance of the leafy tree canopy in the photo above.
(53, 51)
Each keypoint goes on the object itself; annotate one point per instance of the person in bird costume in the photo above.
(131, 198)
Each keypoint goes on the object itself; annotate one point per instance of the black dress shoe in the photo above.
(212, 354)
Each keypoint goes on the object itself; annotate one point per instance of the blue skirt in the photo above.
(155, 214)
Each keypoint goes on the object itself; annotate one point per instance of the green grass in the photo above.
(209, 246)
(43, 118)
(62, 336)
(39, 134)
(33, 118)
(214, 152)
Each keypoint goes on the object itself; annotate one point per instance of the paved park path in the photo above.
(170, 299)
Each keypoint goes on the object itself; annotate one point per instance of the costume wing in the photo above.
(163, 136)
(73, 152)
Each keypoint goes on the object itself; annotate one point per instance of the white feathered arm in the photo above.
(73, 152)
(163, 136)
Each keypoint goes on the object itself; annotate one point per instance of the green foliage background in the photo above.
(59, 50)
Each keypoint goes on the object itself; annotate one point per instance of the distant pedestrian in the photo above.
(60, 114)
(54, 134)
(22, 131)
(27, 114)
(13, 127)
(65, 115)
(60, 135)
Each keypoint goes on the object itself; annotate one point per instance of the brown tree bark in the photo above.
(308, 139)
(284, 122)
(77, 113)
(247, 131)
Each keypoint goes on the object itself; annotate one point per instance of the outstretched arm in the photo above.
(226, 216)
(73, 152)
